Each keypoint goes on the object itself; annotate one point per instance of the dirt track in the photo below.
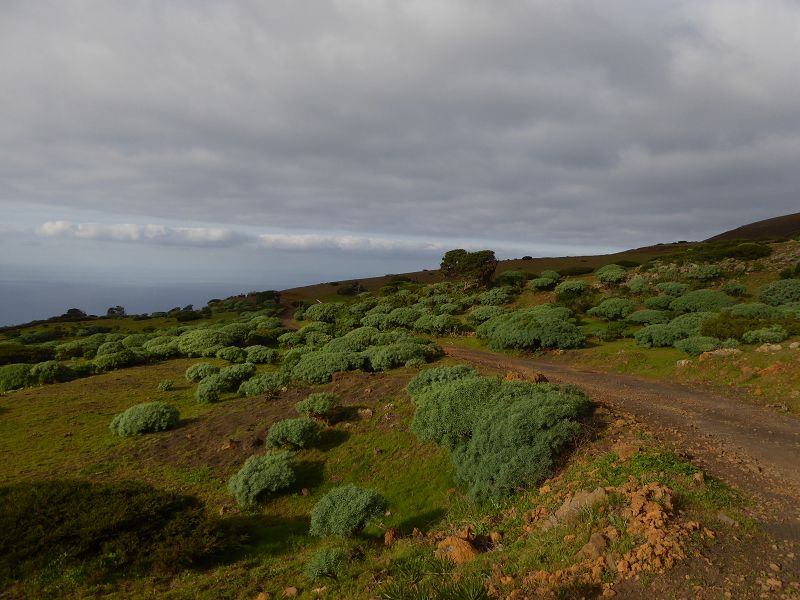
(753, 448)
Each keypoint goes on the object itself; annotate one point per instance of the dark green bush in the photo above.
(613, 309)
(232, 354)
(754, 310)
(356, 340)
(767, 335)
(319, 367)
(697, 344)
(511, 278)
(12, 352)
(147, 417)
(324, 312)
(200, 371)
(100, 529)
(210, 389)
(673, 288)
(484, 313)
(658, 302)
(403, 317)
(50, 371)
(726, 326)
(231, 377)
(14, 376)
(297, 433)
(540, 284)
(267, 383)
(648, 317)
(701, 301)
(428, 378)
(553, 275)
(261, 476)
(117, 360)
(573, 271)
(319, 405)
(735, 289)
(398, 354)
(346, 510)
(261, 355)
(497, 296)
(576, 295)
(203, 342)
(689, 324)
(437, 324)
(657, 335)
(326, 562)
(780, 292)
(611, 274)
(530, 329)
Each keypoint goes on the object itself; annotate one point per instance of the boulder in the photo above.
(456, 549)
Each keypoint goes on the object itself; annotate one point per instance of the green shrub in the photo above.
(655, 336)
(735, 289)
(689, 324)
(267, 383)
(658, 302)
(767, 335)
(376, 321)
(298, 433)
(117, 360)
(497, 296)
(613, 309)
(403, 317)
(510, 278)
(484, 313)
(428, 378)
(231, 354)
(319, 367)
(530, 329)
(398, 354)
(577, 295)
(261, 355)
(165, 346)
(147, 417)
(540, 284)
(166, 385)
(261, 476)
(701, 301)
(754, 310)
(672, 288)
(326, 562)
(448, 308)
(611, 274)
(780, 292)
(14, 376)
(199, 371)
(12, 352)
(638, 285)
(553, 275)
(203, 342)
(725, 325)
(437, 324)
(613, 331)
(319, 405)
(99, 529)
(109, 348)
(516, 441)
(356, 340)
(210, 389)
(697, 344)
(230, 377)
(324, 312)
(50, 371)
(346, 510)
(704, 273)
(648, 317)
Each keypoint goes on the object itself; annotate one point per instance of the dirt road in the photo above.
(753, 448)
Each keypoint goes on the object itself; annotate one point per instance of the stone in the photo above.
(390, 536)
(767, 348)
(684, 362)
(456, 549)
(365, 413)
(583, 499)
(261, 596)
(305, 492)
(794, 345)
(496, 537)
(723, 518)
(290, 592)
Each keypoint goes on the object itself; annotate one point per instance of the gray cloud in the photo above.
(532, 122)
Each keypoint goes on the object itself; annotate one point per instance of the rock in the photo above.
(771, 370)
(417, 535)
(572, 506)
(456, 549)
(545, 489)
(318, 591)
(261, 596)
(775, 567)
(699, 479)
(305, 492)
(726, 519)
(769, 348)
(365, 413)
(718, 353)
(684, 362)
(624, 450)
(290, 592)
(496, 537)
(594, 548)
(794, 345)
(390, 536)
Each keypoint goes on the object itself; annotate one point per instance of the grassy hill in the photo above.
(776, 228)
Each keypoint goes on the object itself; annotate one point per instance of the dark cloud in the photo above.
(603, 124)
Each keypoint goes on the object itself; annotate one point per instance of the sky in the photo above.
(149, 146)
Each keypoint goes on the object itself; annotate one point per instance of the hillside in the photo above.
(776, 228)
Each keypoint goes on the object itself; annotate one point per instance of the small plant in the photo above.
(297, 433)
(611, 274)
(697, 344)
(147, 417)
(166, 385)
(327, 562)
(14, 376)
(262, 475)
(768, 335)
(318, 406)
(199, 371)
(346, 510)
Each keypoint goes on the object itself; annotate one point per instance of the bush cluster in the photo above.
(147, 417)
(401, 353)
(297, 433)
(266, 383)
(540, 284)
(613, 309)
(319, 367)
(262, 475)
(497, 296)
(203, 342)
(14, 376)
(261, 355)
(673, 288)
(319, 405)
(697, 344)
(483, 313)
(232, 354)
(780, 292)
(768, 335)
(701, 301)
(50, 371)
(116, 360)
(648, 317)
(428, 378)
(638, 285)
(658, 302)
(530, 329)
(199, 371)
(437, 324)
(611, 274)
(346, 510)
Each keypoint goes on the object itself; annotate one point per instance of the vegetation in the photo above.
(345, 510)
(147, 417)
(478, 266)
(780, 292)
(326, 562)
(319, 405)
(296, 433)
(262, 475)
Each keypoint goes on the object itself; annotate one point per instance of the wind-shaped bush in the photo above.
(701, 301)
(324, 312)
(261, 476)
(611, 274)
(147, 417)
(199, 371)
(319, 367)
(346, 510)
(613, 309)
(297, 433)
(319, 405)
(540, 284)
(530, 329)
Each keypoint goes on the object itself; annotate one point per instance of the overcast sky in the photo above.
(279, 142)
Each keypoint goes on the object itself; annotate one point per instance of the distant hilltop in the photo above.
(775, 228)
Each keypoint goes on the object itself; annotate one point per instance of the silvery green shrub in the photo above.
(232, 354)
(262, 475)
(613, 309)
(267, 383)
(147, 417)
(297, 433)
(326, 562)
(697, 344)
(199, 371)
(261, 355)
(611, 274)
(346, 510)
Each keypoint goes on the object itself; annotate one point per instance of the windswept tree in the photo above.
(475, 267)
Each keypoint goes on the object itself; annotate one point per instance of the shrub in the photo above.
(768, 335)
(497, 296)
(262, 475)
(376, 320)
(326, 562)
(697, 344)
(672, 288)
(319, 367)
(324, 312)
(298, 433)
(199, 371)
(261, 355)
(448, 308)
(658, 336)
(166, 385)
(147, 417)
(531, 328)
(109, 348)
(515, 442)
(689, 324)
(423, 381)
(50, 371)
(230, 377)
(99, 529)
(613, 309)
(658, 302)
(511, 278)
(648, 317)
(12, 352)
(638, 285)
(754, 310)
(231, 354)
(383, 358)
(319, 405)
(117, 360)
(268, 383)
(356, 340)
(403, 317)
(701, 301)
(437, 324)
(553, 275)
(735, 289)
(540, 284)
(577, 295)
(345, 510)
(725, 325)
(704, 273)
(484, 313)
(780, 292)
(611, 274)
(210, 389)
(203, 342)
(14, 376)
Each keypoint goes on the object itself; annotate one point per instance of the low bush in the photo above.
(655, 336)
(166, 385)
(510, 278)
(540, 284)
(376, 320)
(689, 324)
(648, 317)
(437, 324)
(735, 289)
(398, 354)
(203, 342)
(297, 433)
(326, 562)
(261, 355)
(429, 378)
(701, 301)
(780, 292)
(100, 529)
(324, 312)
(261, 476)
(14, 376)
(725, 325)
(357, 340)
(613, 309)
(403, 317)
(147, 417)
(199, 371)
(232, 354)
(754, 310)
(553, 275)
(658, 302)
(12, 352)
(704, 273)
(50, 371)
(767, 335)
(210, 389)
(697, 344)
(117, 360)
(109, 348)
(573, 271)
(346, 510)
(611, 274)
(480, 314)
(231, 377)
(638, 285)
(497, 296)
(267, 383)
(576, 295)
(319, 405)
(673, 288)
(530, 329)
(320, 367)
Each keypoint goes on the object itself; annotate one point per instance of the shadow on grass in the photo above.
(309, 474)
(346, 413)
(422, 521)
(330, 438)
(261, 534)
